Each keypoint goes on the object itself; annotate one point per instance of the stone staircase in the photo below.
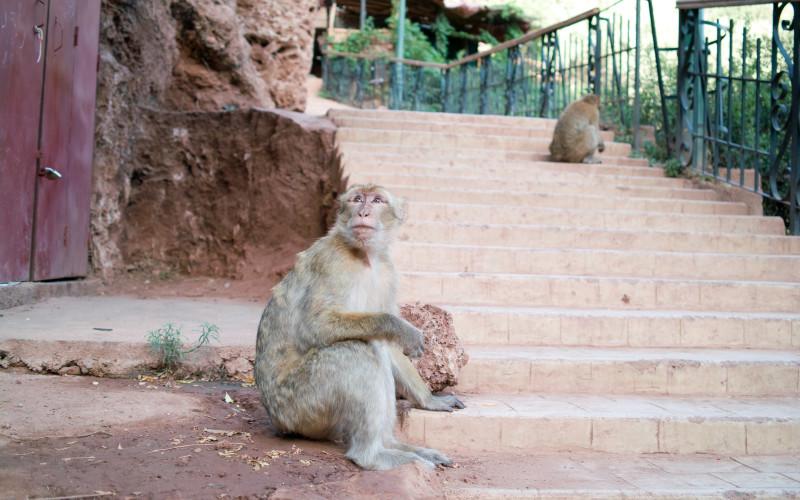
(608, 311)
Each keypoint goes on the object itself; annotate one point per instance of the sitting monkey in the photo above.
(331, 348)
(577, 134)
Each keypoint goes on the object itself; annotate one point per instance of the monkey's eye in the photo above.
(357, 198)
(377, 199)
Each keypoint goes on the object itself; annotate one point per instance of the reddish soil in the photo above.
(83, 436)
(261, 272)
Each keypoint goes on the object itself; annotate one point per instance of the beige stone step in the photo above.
(434, 257)
(611, 423)
(537, 236)
(473, 213)
(444, 155)
(596, 370)
(570, 201)
(521, 290)
(536, 129)
(520, 172)
(445, 139)
(503, 326)
(534, 474)
(450, 118)
(583, 187)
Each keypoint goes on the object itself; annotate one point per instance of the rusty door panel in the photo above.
(51, 230)
(81, 138)
(62, 206)
(21, 73)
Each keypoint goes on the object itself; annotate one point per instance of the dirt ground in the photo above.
(93, 438)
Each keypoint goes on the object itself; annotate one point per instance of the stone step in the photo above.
(570, 201)
(533, 326)
(527, 290)
(583, 187)
(446, 155)
(499, 421)
(446, 139)
(434, 257)
(474, 213)
(449, 118)
(555, 237)
(523, 172)
(532, 474)
(596, 370)
(537, 129)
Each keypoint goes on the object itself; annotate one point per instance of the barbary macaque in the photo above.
(331, 347)
(577, 134)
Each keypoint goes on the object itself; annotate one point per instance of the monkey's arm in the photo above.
(335, 326)
(411, 386)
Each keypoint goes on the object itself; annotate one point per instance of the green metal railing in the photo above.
(537, 74)
(738, 112)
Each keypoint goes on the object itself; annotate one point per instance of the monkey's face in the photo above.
(368, 215)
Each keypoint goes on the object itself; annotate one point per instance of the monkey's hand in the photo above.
(412, 340)
(601, 147)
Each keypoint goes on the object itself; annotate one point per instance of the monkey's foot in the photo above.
(443, 403)
(386, 459)
(431, 455)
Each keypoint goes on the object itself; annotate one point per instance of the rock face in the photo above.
(195, 55)
(209, 187)
(444, 356)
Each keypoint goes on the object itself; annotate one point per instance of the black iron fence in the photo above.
(739, 104)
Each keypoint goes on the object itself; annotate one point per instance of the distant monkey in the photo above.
(577, 134)
(331, 347)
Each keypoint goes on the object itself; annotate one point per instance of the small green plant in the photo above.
(673, 168)
(167, 342)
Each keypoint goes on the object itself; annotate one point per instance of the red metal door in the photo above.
(61, 227)
(22, 24)
(49, 214)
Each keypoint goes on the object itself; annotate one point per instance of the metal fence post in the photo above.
(484, 75)
(397, 84)
(595, 55)
(637, 79)
(794, 190)
(686, 91)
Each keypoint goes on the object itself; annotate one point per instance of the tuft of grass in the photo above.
(673, 168)
(166, 343)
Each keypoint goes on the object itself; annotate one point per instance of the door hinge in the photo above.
(75, 40)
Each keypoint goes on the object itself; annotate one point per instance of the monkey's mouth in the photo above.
(362, 230)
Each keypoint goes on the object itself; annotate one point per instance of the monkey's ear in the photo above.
(341, 201)
(400, 208)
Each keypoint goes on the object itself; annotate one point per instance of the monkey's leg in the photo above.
(413, 388)
(591, 138)
(343, 391)
(358, 379)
